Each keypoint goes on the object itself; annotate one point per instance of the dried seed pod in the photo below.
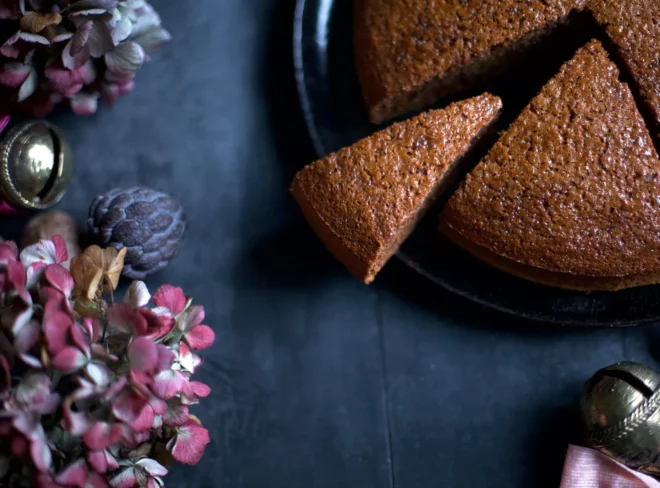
(147, 222)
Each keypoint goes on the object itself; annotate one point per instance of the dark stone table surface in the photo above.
(319, 381)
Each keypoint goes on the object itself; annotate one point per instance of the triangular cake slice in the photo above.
(364, 200)
(570, 194)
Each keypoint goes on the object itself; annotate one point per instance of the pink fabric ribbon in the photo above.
(587, 468)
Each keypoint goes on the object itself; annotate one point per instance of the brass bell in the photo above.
(621, 413)
(36, 165)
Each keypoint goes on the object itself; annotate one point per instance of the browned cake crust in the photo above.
(573, 186)
(550, 278)
(408, 54)
(364, 200)
(634, 27)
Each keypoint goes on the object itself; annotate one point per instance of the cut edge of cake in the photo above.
(456, 80)
(450, 222)
(339, 245)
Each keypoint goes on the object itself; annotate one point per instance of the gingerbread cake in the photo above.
(570, 194)
(410, 54)
(364, 200)
(634, 28)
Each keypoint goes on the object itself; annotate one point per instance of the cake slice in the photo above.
(570, 194)
(634, 27)
(364, 200)
(411, 53)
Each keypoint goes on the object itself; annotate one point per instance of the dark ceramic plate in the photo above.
(336, 117)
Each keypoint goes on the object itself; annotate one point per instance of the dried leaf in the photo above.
(87, 276)
(35, 22)
(96, 271)
(113, 266)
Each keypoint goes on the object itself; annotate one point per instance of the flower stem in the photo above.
(112, 302)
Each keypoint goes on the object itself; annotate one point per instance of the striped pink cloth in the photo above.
(587, 468)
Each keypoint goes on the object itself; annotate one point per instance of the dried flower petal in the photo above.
(109, 261)
(137, 295)
(157, 405)
(5, 375)
(27, 337)
(28, 87)
(125, 479)
(127, 320)
(74, 475)
(14, 74)
(170, 297)
(35, 22)
(169, 383)
(200, 337)
(187, 359)
(153, 39)
(41, 455)
(102, 435)
(100, 40)
(143, 355)
(79, 39)
(47, 251)
(56, 327)
(59, 278)
(75, 59)
(34, 273)
(154, 468)
(125, 60)
(113, 265)
(102, 461)
(87, 276)
(17, 277)
(69, 359)
(35, 395)
(47, 480)
(157, 326)
(76, 423)
(133, 409)
(83, 103)
(177, 413)
(98, 373)
(96, 480)
(188, 445)
(200, 389)
(8, 252)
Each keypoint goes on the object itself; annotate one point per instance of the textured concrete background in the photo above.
(319, 381)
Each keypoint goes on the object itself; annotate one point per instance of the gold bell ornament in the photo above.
(36, 166)
(621, 413)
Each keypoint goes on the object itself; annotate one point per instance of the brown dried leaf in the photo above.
(97, 271)
(35, 22)
(113, 266)
(87, 276)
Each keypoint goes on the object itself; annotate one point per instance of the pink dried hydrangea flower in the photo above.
(88, 401)
(78, 51)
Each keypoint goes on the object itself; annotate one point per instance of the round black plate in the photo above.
(336, 117)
